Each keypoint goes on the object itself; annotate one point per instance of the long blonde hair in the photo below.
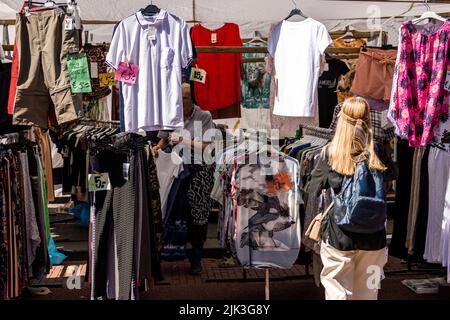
(339, 150)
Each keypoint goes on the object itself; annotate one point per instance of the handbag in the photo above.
(313, 231)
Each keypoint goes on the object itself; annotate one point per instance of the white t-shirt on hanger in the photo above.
(297, 48)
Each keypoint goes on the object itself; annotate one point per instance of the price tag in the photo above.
(447, 80)
(151, 34)
(127, 72)
(77, 65)
(213, 37)
(68, 23)
(94, 70)
(106, 79)
(99, 182)
(278, 183)
(198, 75)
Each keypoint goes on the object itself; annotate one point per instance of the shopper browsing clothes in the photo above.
(353, 254)
(198, 202)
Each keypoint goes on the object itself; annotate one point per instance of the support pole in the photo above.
(267, 285)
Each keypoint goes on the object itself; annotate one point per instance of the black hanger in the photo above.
(295, 12)
(150, 10)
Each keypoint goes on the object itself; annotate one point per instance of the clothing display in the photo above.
(348, 43)
(297, 65)
(255, 84)
(163, 183)
(286, 126)
(124, 218)
(374, 74)
(328, 82)
(261, 219)
(221, 92)
(24, 231)
(43, 79)
(155, 101)
(419, 98)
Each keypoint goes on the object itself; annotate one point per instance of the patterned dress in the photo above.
(419, 99)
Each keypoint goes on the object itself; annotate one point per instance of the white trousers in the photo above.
(439, 175)
(351, 275)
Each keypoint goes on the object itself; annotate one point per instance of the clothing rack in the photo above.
(87, 121)
(316, 131)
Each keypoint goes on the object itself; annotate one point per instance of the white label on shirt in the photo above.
(151, 34)
(447, 80)
(213, 37)
(326, 67)
(68, 24)
(94, 70)
(99, 182)
(198, 75)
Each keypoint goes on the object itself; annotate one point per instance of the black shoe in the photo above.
(196, 268)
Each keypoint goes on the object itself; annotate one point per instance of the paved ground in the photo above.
(215, 283)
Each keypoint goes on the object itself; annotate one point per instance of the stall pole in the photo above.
(267, 285)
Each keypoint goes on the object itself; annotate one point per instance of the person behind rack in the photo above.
(198, 200)
(350, 260)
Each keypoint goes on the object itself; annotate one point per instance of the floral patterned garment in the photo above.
(419, 100)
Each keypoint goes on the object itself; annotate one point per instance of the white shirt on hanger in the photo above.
(297, 48)
(161, 46)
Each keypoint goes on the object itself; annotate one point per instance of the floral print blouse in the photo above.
(419, 100)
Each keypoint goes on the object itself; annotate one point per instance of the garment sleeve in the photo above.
(187, 52)
(273, 40)
(2, 54)
(323, 39)
(117, 49)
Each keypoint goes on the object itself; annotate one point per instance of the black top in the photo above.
(328, 82)
(323, 177)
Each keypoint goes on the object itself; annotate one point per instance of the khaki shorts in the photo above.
(374, 74)
(43, 81)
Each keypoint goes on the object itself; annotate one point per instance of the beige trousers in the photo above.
(351, 275)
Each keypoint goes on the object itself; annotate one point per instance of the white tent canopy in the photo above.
(251, 15)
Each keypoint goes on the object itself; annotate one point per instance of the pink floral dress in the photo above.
(419, 99)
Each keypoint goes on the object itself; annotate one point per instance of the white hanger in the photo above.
(429, 15)
(257, 38)
(348, 35)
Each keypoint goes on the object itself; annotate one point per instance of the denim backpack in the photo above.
(361, 206)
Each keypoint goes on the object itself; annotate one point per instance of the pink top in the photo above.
(419, 99)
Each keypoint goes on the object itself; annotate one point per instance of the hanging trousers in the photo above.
(351, 275)
(439, 174)
(120, 205)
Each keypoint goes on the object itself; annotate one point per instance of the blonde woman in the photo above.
(352, 263)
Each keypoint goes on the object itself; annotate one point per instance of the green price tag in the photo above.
(77, 64)
(99, 182)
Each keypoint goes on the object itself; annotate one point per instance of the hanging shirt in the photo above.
(255, 83)
(222, 87)
(155, 101)
(267, 225)
(419, 100)
(297, 48)
(328, 82)
(169, 166)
